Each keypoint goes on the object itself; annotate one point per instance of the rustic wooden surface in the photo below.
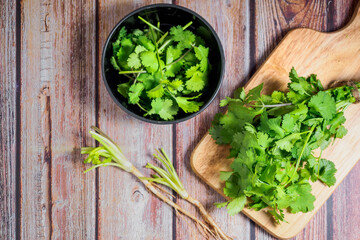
(51, 91)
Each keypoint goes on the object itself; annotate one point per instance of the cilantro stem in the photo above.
(170, 93)
(301, 153)
(343, 104)
(166, 176)
(165, 44)
(162, 38)
(318, 162)
(137, 76)
(157, 53)
(273, 105)
(135, 71)
(150, 25)
(180, 58)
(187, 25)
(130, 77)
(168, 41)
(142, 107)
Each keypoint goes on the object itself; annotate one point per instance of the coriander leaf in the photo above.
(176, 85)
(190, 59)
(240, 94)
(123, 89)
(149, 60)
(172, 54)
(264, 140)
(147, 43)
(185, 38)
(313, 121)
(134, 92)
(138, 32)
(271, 126)
(164, 108)
(173, 69)
(116, 44)
(191, 71)
(287, 143)
(219, 133)
(134, 61)
(225, 175)
(127, 47)
(323, 104)
(326, 172)
(301, 198)
(336, 122)
(278, 97)
(202, 53)
(156, 92)
(196, 82)
(199, 41)
(293, 75)
(254, 94)
(288, 122)
(221, 205)
(188, 106)
(149, 80)
(225, 102)
(139, 49)
(122, 33)
(302, 87)
(341, 132)
(114, 63)
(236, 205)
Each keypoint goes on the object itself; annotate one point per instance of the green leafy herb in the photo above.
(167, 71)
(273, 138)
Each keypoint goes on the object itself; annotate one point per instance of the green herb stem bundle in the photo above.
(110, 154)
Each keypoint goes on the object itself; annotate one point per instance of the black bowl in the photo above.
(169, 15)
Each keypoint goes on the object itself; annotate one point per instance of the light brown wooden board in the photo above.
(332, 56)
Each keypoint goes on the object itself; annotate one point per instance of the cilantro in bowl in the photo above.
(166, 72)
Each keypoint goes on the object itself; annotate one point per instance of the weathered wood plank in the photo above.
(126, 209)
(343, 220)
(7, 119)
(230, 19)
(273, 21)
(57, 108)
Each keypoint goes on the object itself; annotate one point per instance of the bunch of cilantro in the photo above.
(167, 72)
(273, 138)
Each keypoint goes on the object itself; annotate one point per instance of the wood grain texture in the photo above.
(126, 209)
(48, 104)
(57, 109)
(7, 119)
(333, 57)
(230, 20)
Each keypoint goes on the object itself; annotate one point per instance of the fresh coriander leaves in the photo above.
(168, 72)
(272, 140)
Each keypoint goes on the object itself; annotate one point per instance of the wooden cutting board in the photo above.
(332, 56)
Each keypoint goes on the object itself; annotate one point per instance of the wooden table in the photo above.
(51, 92)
